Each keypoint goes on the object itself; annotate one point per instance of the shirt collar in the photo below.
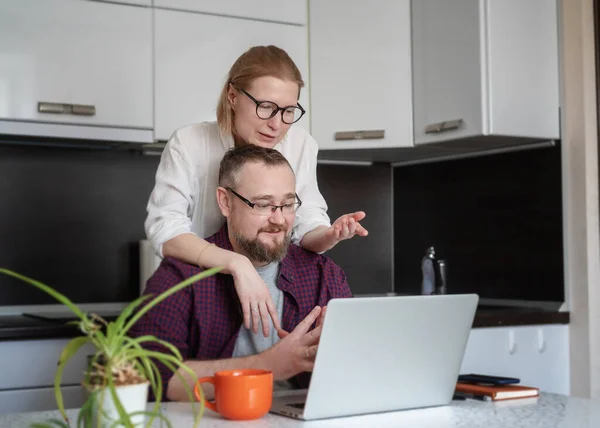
(226, 139)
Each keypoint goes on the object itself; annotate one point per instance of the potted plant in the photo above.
(121, 370)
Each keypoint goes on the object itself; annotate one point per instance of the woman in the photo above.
(257, 105)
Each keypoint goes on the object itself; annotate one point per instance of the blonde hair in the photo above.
(256, 62)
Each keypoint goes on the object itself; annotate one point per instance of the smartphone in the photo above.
(487, 379)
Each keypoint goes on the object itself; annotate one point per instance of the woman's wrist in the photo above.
(318, 240)
(236, 263)
(200, 256)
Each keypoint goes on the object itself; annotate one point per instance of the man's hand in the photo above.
(254, 295)
(282, 333)
(295, 352)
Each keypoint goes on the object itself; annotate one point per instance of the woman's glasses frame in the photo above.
(274, 109)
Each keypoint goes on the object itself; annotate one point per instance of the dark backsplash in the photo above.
(367, 261)
(72, 218)
(497, 220)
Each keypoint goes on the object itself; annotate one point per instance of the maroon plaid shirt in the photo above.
(203, 320)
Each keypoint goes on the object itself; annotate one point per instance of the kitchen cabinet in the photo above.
(193, 54)
(491, 66)
(77, 69)
(538, 355)
(27, 370)
(360, 67)
(288, 11)
(40, 399)
(429, 71)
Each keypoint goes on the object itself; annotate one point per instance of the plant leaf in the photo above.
(149, 373)
(156, 355)
(68, 351)
(99, 340)
(110, 332)
(152, 339)
(126, 313)
(123, 416)
(52, 423)
(188, 391)
(165, 294)
(154, 415)
(157, 389)
(87, 376)
(86, 413)
(145, 362)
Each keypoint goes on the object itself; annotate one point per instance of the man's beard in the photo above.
(260, 252)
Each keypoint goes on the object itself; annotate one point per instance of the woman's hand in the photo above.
(324, 238)
(254, 295)
(346, 227)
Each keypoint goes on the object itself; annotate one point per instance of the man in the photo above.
(256, 194)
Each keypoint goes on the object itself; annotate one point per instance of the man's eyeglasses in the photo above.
(268, 209)
(267, 109)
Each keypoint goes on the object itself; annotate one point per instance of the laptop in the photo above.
(379, 354)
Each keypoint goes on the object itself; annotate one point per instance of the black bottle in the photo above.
(434, 274)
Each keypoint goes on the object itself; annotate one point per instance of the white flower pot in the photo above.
(133, 398)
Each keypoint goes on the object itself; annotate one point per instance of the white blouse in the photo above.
(184, 196)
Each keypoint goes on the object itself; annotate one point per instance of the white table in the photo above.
(550, 410)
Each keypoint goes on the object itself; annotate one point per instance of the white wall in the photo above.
(580, 190)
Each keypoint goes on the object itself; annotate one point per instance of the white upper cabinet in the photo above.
(68, 64)
(360, 63)
(193, 54)
(397, 74)
(290, 11)
(485, 68)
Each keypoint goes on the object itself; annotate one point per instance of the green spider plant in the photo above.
(119, 359)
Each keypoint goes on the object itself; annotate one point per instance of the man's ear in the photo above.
(224, 201)
(231, 96)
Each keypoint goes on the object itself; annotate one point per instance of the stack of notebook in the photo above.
(493, 388)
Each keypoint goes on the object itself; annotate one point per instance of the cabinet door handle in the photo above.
(63, 108)
(447, 125)
(371, 134)
(83, 109)
(512, 343)
(541, 341)
(55, 108)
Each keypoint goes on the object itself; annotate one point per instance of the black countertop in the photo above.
(502, 316)
(17, 327)
(22, 327)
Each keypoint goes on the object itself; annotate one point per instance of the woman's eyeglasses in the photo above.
(267, 109)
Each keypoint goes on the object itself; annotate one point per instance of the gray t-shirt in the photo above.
(249, 343)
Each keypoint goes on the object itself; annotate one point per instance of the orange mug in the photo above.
(239, 394)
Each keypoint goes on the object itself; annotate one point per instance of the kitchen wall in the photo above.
(72, 219)
(367, 261)
(497, 220)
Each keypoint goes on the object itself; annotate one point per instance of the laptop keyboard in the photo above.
(297, 405)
